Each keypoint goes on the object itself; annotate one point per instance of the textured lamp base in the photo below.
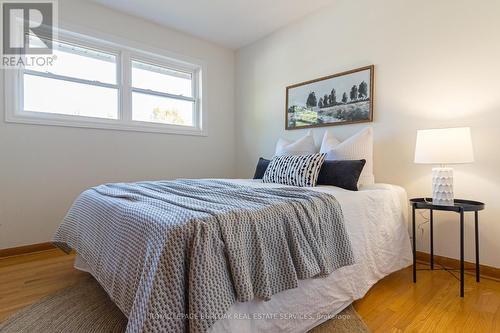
(442, 186)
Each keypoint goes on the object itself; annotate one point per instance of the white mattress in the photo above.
(376, 221)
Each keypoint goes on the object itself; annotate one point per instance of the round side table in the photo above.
(460, 207)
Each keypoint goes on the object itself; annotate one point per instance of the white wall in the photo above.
(43, 168)
(437, 65)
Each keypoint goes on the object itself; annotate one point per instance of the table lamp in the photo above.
(443, 147)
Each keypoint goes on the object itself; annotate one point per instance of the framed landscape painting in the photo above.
(337, 99)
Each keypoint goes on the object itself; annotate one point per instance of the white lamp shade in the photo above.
(444, 146)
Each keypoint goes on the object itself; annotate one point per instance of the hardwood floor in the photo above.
(26, 278)
(394, 304)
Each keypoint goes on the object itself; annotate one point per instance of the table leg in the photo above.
(414, 246)
(476, 231)
(432, 237)
(461, 253)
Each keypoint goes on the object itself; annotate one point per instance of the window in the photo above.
(162, 95)
(99, 84)
(81, 82)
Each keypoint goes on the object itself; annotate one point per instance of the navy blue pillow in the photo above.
(344, 174)
(261, 168)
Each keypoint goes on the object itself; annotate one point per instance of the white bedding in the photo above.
(375, 218)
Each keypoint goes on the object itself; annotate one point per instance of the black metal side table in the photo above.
(460, 206)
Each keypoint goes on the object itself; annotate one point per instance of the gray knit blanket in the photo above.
(175, 255)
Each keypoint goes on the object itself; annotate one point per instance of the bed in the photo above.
(374, 220)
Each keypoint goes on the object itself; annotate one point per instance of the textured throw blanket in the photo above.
(175, 255)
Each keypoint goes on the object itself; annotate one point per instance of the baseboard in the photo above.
(485, 271)
(15, 251)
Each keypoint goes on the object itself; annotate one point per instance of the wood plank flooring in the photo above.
(26, 278)
(394, 304)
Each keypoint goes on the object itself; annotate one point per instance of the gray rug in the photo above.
(86, 308)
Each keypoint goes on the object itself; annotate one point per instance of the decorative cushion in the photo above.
(303, 146)
(343, 174)
(261, 168)
(295, 170)
(357, 147)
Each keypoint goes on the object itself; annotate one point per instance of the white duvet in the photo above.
(375, 218)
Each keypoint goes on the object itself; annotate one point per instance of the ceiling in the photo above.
(231, 23)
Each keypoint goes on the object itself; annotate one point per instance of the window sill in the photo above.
(35, 118)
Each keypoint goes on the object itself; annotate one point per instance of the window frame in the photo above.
(14, 97)
(194, 72)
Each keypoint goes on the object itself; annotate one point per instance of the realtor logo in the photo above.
(28, 31)
(22, 20)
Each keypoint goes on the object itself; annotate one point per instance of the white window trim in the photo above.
(13, 89)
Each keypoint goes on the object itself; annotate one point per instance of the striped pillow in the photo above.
(295, 170)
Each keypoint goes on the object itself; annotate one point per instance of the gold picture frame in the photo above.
(336, 103)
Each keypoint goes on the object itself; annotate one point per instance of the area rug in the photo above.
(86, 308)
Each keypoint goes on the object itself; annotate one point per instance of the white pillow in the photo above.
(329, 142)
(303, 146)
(357, 147)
